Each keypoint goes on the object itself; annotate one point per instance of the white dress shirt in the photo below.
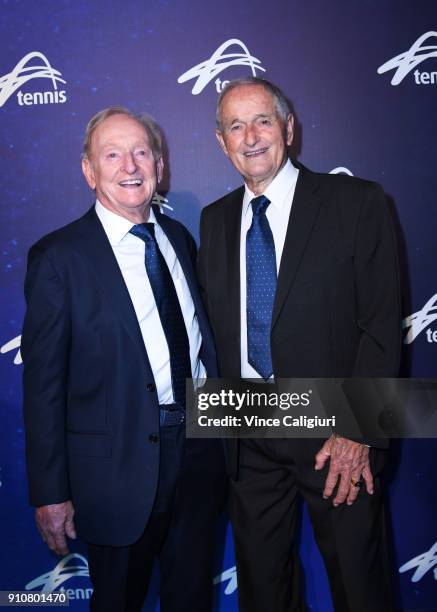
(129, 250)
(280, 192)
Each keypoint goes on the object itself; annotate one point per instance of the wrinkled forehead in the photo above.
(247, 100)
(119, 130)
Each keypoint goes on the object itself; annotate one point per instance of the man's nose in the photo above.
(129, 164)
(251, 135)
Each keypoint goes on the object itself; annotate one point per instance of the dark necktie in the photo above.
(169, 310)
(261, 281)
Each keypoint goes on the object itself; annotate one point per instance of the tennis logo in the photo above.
(32, 66)
(406, 61)
(229, 577)
(13, 345)
(207, 70)
(71, 566)
(420, 321)
(341, 170)
(422, 564)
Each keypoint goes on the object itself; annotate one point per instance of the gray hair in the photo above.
(282, 105)
(145, 120)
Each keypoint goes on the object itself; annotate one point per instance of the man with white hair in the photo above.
(299, 276)
(114, 327)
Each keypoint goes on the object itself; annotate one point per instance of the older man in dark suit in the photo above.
(300, 279)
(114, 327)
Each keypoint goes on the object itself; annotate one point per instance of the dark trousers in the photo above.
(351, 539)
(180, 533)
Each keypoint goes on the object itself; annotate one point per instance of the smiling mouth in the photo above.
(256, 153)
(131, 183)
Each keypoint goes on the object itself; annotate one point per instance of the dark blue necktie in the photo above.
(261, 281)
(169, 310)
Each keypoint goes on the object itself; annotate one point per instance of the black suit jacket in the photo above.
(337, 306)
(90, 402)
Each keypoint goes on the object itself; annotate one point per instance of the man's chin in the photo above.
(260, 177)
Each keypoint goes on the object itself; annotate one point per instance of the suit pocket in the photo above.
(89, 444)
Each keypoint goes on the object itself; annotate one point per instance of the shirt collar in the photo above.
(116, 227)
(278, 189)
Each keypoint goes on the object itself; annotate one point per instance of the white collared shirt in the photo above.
(130, 254)
(280, 192)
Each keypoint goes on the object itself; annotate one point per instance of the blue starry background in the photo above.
(132, 53)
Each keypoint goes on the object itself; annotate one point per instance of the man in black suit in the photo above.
(114, 327)
(300, 279)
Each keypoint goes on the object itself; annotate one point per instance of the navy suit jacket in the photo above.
(90, 402)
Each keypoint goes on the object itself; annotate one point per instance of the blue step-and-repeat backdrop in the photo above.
(362, 76)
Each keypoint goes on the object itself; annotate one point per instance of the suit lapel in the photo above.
(304, 210)
(94, 244)
(233, 233)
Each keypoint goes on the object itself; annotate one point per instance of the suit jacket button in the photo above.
(151, 387)
(153, 438)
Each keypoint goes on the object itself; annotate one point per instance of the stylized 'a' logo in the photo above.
(422, 564)
(69, 567)
(22, 73)
(12, 345)
(219, 61)
(341, 170)
(405, 62)
(420, 320)
(229, 576)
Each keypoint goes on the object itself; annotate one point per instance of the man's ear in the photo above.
(159, 169)
(221, 142)
(87, 169)
(289, 129)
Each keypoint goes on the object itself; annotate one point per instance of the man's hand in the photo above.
(54, 522)
(349, 461)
